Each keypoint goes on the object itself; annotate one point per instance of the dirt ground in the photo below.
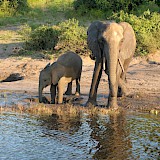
(20, 76)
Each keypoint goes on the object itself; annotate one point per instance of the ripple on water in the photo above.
(131, 136)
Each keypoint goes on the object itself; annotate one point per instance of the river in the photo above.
(124, 136)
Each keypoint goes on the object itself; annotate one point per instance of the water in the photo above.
(81, 137)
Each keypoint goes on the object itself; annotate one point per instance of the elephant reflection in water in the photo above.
(112, 137)
(63, 122)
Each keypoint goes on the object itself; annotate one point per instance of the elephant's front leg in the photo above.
(53, 93)
(95, 82)
(61, 85)
(112, 99)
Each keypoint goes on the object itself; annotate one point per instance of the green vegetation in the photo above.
(72, 37)
(107, 6)
(67, 35)
(147, 29)
(60, 25)
(12, 7)
(42, 38)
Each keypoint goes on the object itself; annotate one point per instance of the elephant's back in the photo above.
(70, 59)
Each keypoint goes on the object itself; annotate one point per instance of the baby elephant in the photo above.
(67, 68)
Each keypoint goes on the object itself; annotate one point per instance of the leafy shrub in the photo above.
(147, 29)
(85, 3)
(72, 37)
(42, 38)
(11, 7)
(153, 7)
(67, 35)
(25, 31)
(157, 2)
(115, 6)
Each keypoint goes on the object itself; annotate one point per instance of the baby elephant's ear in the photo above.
(47, 66)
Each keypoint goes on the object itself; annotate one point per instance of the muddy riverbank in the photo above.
(19, 78)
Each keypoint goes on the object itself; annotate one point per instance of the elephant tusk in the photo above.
(121, 64)
(104, 66)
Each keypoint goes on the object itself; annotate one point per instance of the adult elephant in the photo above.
(113, 46)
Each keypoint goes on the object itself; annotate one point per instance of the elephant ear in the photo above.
(92, 39)
(128, 41)
(57, 73)
(95, 37)
(47, 66)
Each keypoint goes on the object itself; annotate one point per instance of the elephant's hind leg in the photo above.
(77, 87)
(69, 89)
(61, 85)
(121, 88)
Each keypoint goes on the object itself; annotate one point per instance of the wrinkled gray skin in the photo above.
(112, 45)
(67, 68)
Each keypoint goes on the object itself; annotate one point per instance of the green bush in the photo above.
(72, 37)
(25, 31)
(67, 35)
(115, 6)
(157, 2)
(11, 7)
(147, 29)
(144, 7)
(85, 3)
(42, 38)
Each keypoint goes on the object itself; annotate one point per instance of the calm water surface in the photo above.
(120, 137)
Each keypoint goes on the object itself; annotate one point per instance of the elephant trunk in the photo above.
(112, 61)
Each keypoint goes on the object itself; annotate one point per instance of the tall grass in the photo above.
(40, 12)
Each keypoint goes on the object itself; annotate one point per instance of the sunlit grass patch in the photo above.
(49, 3)
(49, 7)
(6, 35)
(33, 107)
(38, 3)
(71, 109)
(61, 109)
(40, 11)
(9, 36)
(39, 109)
(61, 5)
(48, 109)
